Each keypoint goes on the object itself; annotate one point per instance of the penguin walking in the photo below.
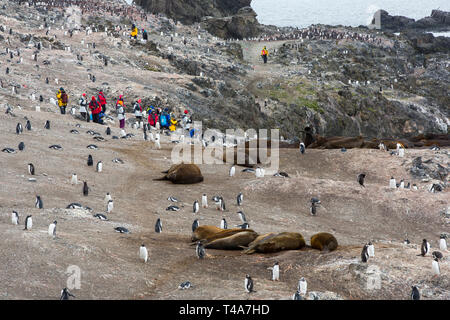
(65, 294)
(365, 254)
(195, 225)
(196, 206)
(158, 226)
(392, 183)
(242, 216)
(200, 250)
(31, 169)
(361, 179)
(302, 286)
(99, 166)
(110, 206)
(275, 272)
(19, 128)
(85, 189)
(39, 204)
(248, 284)
(108, 197)
(240, 198)
(90, 162)
(424, 248)
(371, 250)
(143, 253)
(223, 224)
(52, 229)
(28, 223)
(15, 218)
(435, 267)
(204, 201)
(28, 125)
(415, 294)
(74, 179)
(302, 148)
(313, 209)
(442, 243)
(232, 171)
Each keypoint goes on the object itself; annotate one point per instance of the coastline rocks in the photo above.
(437, 21)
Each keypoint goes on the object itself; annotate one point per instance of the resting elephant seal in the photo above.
(233, 242)
(324, 242)
(210, 233)
(183, 174)
(277, 242)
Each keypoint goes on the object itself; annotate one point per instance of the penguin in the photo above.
(248, 284)
(21, 146)
(65, 294)
(195, 225)
(121, 230)
(245, 225)
(15, 218)
(371, 250)
(240, 198)
(173, 208)
(313, 209)
(302, 286)
(442, 243)
(173, 199)
(438, 255)
(47, 125)
(414, 187)
(90, 162)
(364, 254)
(196, 206)
(19, 128)
(158, 226)
(28, 125)
(275, 272)
(108, 197)
(31, 169)
(85, 189)
(242, 216)
(402, 184)
(143, 253)
(108, 131)
(302, 148)
(248, 170)
(425, 248)
(39, 204)
(361, 179)
(55, 147)
(110, 206)
(99, 166)
(392, 183)
(232, 171)
(415, 294)
(74, 179)
(435, 267)
(204, 201)
(223, 224)
(52, 229)
(74, 131)
(100, 216)
(28, 223)
(92, 147)
(74, 205)
(222, 204)
(185, 285)
(200, 250)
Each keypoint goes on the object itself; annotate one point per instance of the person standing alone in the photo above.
(63, 99)
(264, 54)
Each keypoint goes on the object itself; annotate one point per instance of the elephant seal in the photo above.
(277, 242)
(233, 242)
(183, 174)
(324, 242)
(208, 234)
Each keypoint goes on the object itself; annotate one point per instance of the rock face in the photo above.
(191, 11)
(438, 21)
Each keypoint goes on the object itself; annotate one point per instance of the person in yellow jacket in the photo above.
(134, 32)
(63, 99)
(264, 54)
(173, 125)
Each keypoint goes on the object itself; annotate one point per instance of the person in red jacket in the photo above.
(95, 109)
(102, 101)
(153, 118)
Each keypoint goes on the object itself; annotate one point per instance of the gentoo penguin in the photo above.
(302, 148)
(302, 286)
(365, 254)
(248, 284)
(143, 253)
(74, 179)
(196, 206)
(28, 125)
(200, 250)
(223, 224)
(414, 187)
(85, 189)
(100, 216)
(15, 218)
(437, 254)
(392, 183)
(158, 226)
(425, 248)
(39, 204)
(313, 209)
(55, 147)
(204, 201)
(275, 271)
(52, 229)
(173, 208)
(435, 267)
(185, 285)
(245, 225)
(173, 199)
(402, 184)
(90, 162)
(371, 250)
(108, 131)
(19, 128)
(121, 230)
(194, 225)
(21, 146)
(28, 223)
(99, 166)
(65, 294)
(110, 206)
(47, 125)
(361, 179)
(242, 216)
(442, 243)
(31, 169)
(232, 171)
(415, 294)
(240, 198)
(108, 197)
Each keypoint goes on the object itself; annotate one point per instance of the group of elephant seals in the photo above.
(324, 242)
(233, 242)
(207, 234)
(271, 242)
(183, 174)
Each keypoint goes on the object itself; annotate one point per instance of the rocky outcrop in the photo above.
(438, 21)
(427, 43)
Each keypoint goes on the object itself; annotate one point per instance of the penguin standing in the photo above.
(361, 179)
(28, 223)
(240, 198)
(200, 250)
(52, 229)
(435, 267)
(110, 206)
(31, 169)
(302, 286)
(108, 197)
(99, 166)
(74, 179)
(158, 226)
(19, 128)
(65, 294)
(232, 171)
(442, 243)
(242, 216)
(28, 125)
(415, 294)
(248, 284)
(21, 146)
(196, 206)
(39, 204)
(143, 253)
(223, 224)
(424, 248)
(47, 125)
(364, 254)
(313, 209)
(222, 204)
(90, 162)
(15, 218)
(194, 225)
(302, 148)
(392, 183)
(371, 250)
(204, 201)
(85, 189)
(275, 272)
(108, 131)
